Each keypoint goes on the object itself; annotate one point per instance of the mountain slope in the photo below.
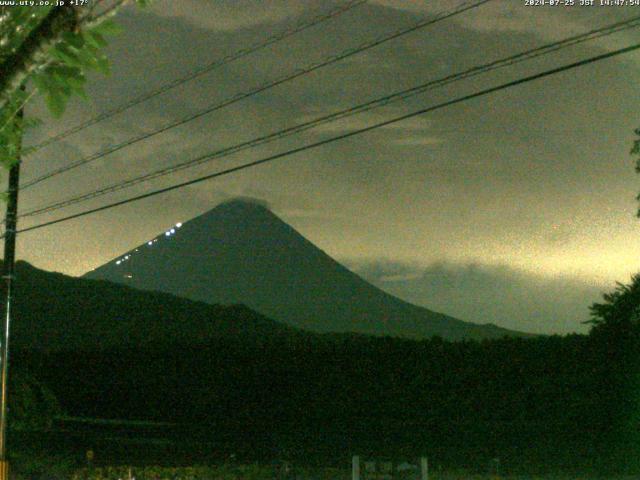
(240, 252)
(53, 312)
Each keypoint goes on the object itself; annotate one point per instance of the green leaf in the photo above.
(56, 101)
(103, 65)
(87, 59)
(62, 86)
(76, 40)
(64, 54)
(108, 27)
(43, 82)
(95, 39)
(30, 122)
(77, 85)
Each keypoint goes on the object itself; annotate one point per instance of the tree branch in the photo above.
(18, 108)
(109, 12)
(15, 69)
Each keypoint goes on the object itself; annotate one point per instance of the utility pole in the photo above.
(11, 221)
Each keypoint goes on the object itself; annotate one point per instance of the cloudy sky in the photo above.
(530, 190)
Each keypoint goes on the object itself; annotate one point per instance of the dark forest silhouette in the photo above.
(264, 390)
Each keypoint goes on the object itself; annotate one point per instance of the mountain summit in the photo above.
(241, 252)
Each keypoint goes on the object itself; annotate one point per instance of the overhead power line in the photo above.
(361, 108)
(316, 20)
(353, 133)
(242, 96)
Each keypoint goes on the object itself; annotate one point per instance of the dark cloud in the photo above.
(243, 199)
(480, 293)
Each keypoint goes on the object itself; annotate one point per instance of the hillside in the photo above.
(55, 311)
(235, 382)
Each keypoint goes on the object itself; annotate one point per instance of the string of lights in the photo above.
(220, 62)
(262, 161)
(358, 109)
(150, 243)
(274, 83)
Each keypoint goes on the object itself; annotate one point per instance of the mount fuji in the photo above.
(240, 252)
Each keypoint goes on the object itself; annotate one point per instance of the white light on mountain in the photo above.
(178, 225)
(173, 230)
(149, 243)
(118, 262)
(167, 233)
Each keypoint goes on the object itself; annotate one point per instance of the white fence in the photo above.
(387, 470)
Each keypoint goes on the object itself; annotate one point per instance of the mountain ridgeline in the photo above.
(56, 312)
(241, 253)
